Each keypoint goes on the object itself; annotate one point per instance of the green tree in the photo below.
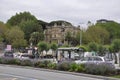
(93, 46)
(54, 47)
(112, 27)
(21, 17)
(29, 27)
(3, 29)
(115, 47)
(15, 36)
(96, 34)
(42, 46)
(36, 37)
(101, 50)
(68, 37)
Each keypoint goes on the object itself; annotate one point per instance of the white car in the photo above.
(93, 59)
(22, 56)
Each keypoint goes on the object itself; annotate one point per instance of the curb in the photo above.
(63, 72)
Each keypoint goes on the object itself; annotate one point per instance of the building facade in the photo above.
(57, 33)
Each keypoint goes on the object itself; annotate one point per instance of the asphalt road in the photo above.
(20, 73)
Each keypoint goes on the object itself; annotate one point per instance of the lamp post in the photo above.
(80, 36)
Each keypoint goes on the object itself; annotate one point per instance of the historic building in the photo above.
(57, 32)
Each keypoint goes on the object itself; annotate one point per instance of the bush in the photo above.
(26, 63)
(65, 66)
(80, 68)
(99, 69)
(73, 67)
(51, 66)
(9, 61)
(42, 64)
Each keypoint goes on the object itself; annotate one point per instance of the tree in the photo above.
(115, 47)
(29, 27)
(92, 46)
(15, 37)
(3, 29)
(35, 37)
(101, 50)
(21, 17)
(42, 46)
(112, 27)
(96, 34)
(54, 47)
(68, 37)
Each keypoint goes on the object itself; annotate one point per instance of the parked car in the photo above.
(22, 56)
(93, 59)
(8, 54)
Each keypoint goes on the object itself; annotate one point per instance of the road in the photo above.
(20, 73)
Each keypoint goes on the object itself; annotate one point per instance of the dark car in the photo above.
(9, 54)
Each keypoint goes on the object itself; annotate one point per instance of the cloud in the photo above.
(75, 11)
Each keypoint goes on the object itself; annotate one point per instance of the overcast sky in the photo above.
(74, 11)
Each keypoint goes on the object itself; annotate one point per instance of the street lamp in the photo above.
(80, 36)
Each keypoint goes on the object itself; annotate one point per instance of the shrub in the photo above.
(51, 66)
(42, 64)
(26, 63)
(65, 66)
(73, 67)
(80, 68)
(9, 61)
(99, 69)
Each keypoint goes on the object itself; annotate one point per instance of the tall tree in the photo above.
(36, 37)
(112, 27)
(21, 17)
(68, 37)
(3, 29)
(15, 37)
(96, 34)
(115, 47)
(29, 27)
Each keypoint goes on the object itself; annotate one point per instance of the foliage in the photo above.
(65, 66)
(26, 63)
(3, 29)
(29, 27)
(68, 37)
(112, 27)
(17, 19)
(84, 48)
(54, 46)
(42, 46)
(60, 22)
(92, 46)
(115, 47)
(96, 34)
(99, 69)
(51, 65)
(19, 43)
(9, 61)
(77, 67)
(101, 50)
(35, 37)
(15, 36)
(43, 24)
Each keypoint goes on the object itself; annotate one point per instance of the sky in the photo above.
(78, 12)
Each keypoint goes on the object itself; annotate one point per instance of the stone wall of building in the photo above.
(57, 33)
